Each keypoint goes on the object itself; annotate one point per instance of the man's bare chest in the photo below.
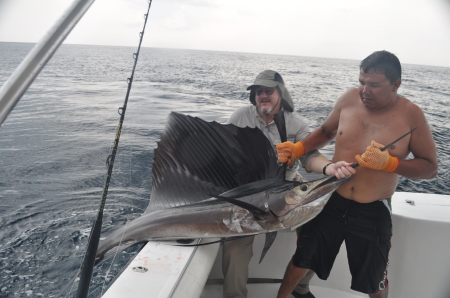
(356, 131)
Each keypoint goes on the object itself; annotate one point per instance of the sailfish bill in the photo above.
(218, 181)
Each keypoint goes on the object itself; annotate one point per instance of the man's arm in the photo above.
(328, 130)
(424, 165)
(321, 137)
(321, 165)
(288, 152)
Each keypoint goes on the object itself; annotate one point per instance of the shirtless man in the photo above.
(359, 211)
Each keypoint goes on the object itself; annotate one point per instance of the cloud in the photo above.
(418, 31)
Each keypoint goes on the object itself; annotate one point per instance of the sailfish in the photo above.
(212, 180)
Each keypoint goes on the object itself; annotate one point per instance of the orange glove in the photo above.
(376, 159)
(289, 152)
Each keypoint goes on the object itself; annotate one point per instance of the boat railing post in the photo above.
(31, 66)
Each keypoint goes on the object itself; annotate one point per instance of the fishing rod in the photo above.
(87, 266)
(280, 122)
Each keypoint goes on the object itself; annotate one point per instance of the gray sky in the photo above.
(418, 31)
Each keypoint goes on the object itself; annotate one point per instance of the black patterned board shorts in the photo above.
(366, 230)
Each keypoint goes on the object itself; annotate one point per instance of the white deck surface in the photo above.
(168, 271)
(270, 291)
(274, 265)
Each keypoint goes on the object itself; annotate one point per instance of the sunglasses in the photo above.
(268, 90)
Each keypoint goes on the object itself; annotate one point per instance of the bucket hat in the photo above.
(270, 78)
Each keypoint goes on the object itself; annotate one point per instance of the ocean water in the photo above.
(54, 144)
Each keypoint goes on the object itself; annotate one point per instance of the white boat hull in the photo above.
(419, 261)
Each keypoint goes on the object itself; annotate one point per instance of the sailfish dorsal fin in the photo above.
(195, 158)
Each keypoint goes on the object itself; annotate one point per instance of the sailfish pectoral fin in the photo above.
(257, 212)
(270, 238)
(217, 241)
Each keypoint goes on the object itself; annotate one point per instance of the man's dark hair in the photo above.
(383, 62)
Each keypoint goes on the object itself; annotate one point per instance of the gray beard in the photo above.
(266, 111)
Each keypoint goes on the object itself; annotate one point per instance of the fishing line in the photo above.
(131, 161)
(112, 261)
(87, 266)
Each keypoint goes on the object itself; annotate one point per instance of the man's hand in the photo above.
(340, 169)
(376, 159)
(289, 152)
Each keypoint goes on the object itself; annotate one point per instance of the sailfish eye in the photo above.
(304, 187)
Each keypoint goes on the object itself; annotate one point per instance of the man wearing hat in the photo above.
(269, 96)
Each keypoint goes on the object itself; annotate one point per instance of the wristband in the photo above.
(325, 168)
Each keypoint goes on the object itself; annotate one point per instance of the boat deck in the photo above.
(270, 291)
